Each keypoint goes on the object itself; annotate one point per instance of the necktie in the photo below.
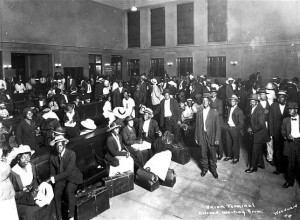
(60, 164)
(293, 119)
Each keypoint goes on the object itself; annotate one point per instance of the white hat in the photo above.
(25, 149)
(89, 124)
(153, 81)
(106, 83)
(172, 83)
(120, 112)
(229, 79)
(59, 138)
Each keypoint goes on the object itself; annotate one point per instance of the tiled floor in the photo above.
(196, 197)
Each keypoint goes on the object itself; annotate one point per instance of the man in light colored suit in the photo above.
(208, 135)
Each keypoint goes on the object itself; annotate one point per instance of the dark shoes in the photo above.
(250, 170)
(215, 175)
(234, 161)
(287, 185)
(203, 172)
(261, 166)
(220, 157)
(277, 172)
(227, 158)
(271, 162)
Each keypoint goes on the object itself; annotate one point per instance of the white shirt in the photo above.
(89, 88)
(146, 127)
(281, 107)
(2, 84)
(167, 112)
(20, 88)
(118, 141)
(295, 127)
(263, 103)
(252, 110)
(205, 113)
(230, 121)
(24, 176)
(105, 90)
(129, 106)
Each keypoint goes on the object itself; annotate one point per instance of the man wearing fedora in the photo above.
(208, 136)
(291, 134)
(234, 129)
(170, 115)
(278, 112)
(65, 176)
(258, 134)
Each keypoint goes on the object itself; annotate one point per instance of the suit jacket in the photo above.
(258, 125)
(153, 128)
(237, 117)
(129, 136)
(213, 127)
(66, 168)
(113, 151)
(276, 119)
(218, 105)
(71, 84)
(25, 134)
(286, 130)
(174, 107)
(117, 98)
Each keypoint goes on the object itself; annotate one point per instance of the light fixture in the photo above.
(133, 8)
(57, 65)
(233, 63)
(7, 66)
(169, 63)
(107, 64)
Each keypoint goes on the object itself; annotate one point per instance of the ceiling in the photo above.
(127, 4)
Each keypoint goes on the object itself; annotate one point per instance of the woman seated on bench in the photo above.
(118, 155)
(32, 200)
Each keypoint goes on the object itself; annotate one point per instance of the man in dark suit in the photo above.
(291, 133)
(277, 113)
(217, 104)
(70, 82)
(208, 135)
(170, 115)
(258, 133)
(64, 175)
(234, 128)
(117, 96)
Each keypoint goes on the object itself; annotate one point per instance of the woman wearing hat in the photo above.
(130, 140)
(26, 186)
(71, 119)
(118, 156)
(8, 207)
(27, 130)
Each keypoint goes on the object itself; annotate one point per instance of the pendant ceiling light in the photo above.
(133, 8)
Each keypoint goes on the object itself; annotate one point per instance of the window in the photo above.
(216, 66)
(158, 35)
(217, 20)
(133, 29)
(133, 66)
(185, 23)
(184, 66)
(157, 67)
(95, 64)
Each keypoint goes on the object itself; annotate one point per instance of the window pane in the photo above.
(216, 66)
(98, 59)
(184, 66)
(157, 67)
(133, 29)
(185, 23)
(133, 66)
(158, 27)
(217, 20)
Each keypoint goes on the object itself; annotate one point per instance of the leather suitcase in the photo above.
(147, 180)
(170, 179)
(119, 183)
(91, 202)
(180, 154)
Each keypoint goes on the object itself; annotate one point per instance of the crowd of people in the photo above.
(144, 116)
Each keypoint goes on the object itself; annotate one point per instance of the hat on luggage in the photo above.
(89, 124)
(120, 112)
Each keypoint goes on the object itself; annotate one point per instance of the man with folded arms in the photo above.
(208, 135)
(291, 133)
(233, 131)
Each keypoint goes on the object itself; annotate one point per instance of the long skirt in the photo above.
(8, 209)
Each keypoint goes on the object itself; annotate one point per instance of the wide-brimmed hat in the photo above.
(129, 118)
(295, 79)
(143, 77)
(73, 89)
(112, 126)
(270, 86)
(166, 91)
(262, 90)
(148, 110)
(120, 112)
(59, 131)
(172, 83)
(2, 104)
(153, 81)
(69, 107)
(292, 105)
(59, 138)
(25, 149)
(89, 124)
(254, 97)
(202, 76)
(281, 92)
(229, 79)
(206, 95)
(26, 110)
(275, 78)
(234, 97)
(213, 89)
(189, 100)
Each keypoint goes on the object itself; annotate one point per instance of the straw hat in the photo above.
(25, 149)
(281, 92)
(59, 131)
(254, 97)
(270, 86)
(89, 124)
(112, 126)
(120, 112)
(234, 97)
(59, 138)
(153, 81)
